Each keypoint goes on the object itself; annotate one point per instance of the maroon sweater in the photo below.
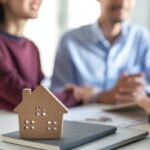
(20, 68)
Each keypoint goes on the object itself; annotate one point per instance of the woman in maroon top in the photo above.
(19, 58)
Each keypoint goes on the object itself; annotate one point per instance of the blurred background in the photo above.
(58, 16)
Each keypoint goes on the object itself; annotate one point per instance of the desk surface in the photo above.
(133, 118)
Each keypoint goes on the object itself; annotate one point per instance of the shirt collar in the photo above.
(99, 36)
(13, 37)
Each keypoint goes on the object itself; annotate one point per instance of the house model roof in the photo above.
(44, 93)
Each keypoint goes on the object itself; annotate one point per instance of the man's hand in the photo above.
(75, 90)
(81, 93)
(128, 89)
(144, 103)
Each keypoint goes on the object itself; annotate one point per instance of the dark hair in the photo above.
(1, 14)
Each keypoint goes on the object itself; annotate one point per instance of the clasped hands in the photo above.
(129, 88)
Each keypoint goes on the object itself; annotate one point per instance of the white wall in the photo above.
(82, 12)
(141, 13)
(44, 32)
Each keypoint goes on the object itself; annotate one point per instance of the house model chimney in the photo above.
(26, 92)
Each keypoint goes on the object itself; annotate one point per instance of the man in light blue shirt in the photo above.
(109, 55)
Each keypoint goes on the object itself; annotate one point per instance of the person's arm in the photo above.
(145, 104)
(144, 55)
(149, 118)
(147, 71)
(75, 95)
(11, 83)
(40, 73)
(63, 67)
(67, 98)
(128, 89)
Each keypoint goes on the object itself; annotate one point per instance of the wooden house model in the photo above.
(40, 114)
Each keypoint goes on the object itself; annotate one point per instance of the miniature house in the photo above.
(40, 114)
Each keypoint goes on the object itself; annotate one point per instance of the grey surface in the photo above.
(139, 145)
(123, 134)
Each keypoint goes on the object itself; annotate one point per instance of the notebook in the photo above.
(74, 134)
(122, 137)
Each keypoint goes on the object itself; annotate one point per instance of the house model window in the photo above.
(40, 114)
(40, 111)
(52, 125)
(29, 125)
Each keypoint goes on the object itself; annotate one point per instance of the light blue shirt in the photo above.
(85, 57)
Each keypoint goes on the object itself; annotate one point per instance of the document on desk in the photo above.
(96, 114)
(120, 106)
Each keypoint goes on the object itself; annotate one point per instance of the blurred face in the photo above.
(116, 10)
(23, 9)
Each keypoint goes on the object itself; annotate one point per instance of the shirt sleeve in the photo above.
(149, 118)
(63, 67)
(146, 66)
(41, 75)
(67, 99)
(11, 84)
